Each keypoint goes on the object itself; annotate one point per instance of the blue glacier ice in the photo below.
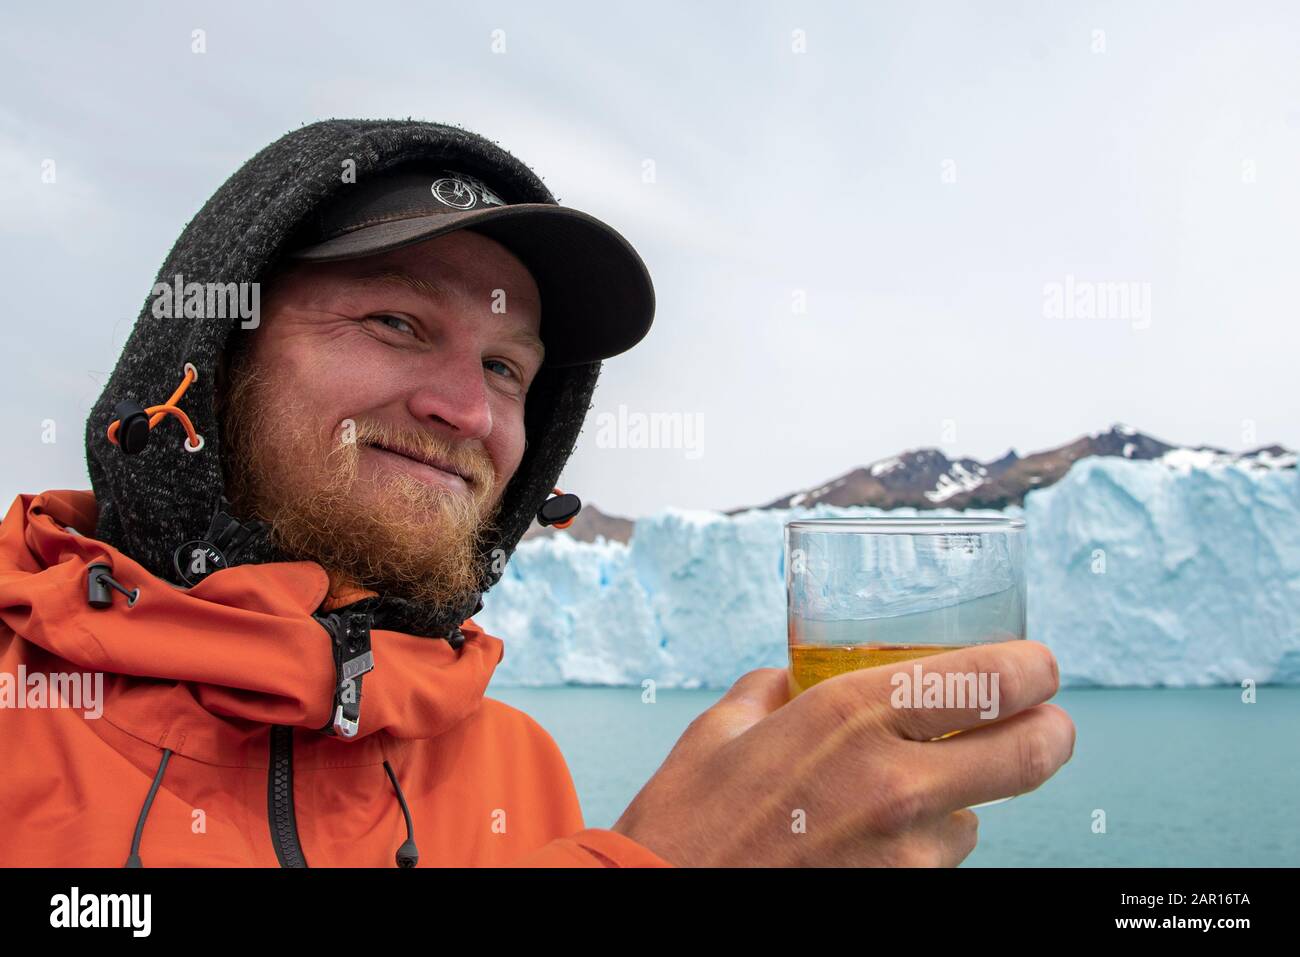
(1139, 574)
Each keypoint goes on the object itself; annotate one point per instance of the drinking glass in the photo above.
(863, 592)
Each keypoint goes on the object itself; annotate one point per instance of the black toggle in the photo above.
(132, 426)
(559, 508)
(408, 855)
(455, 637)
(100, 585)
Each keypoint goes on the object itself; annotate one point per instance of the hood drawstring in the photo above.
(408, 855)
(134, 859)
(130, 430)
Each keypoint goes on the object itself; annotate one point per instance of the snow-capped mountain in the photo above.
(926, 478)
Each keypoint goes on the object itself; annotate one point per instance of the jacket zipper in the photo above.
(279, 779)
(354, 640)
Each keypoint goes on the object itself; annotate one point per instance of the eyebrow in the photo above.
(441, 292)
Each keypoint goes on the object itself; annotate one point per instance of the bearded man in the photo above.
(295, 515)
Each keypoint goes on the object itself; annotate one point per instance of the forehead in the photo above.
(461, 260)
(460, 264)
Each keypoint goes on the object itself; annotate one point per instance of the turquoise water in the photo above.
(1186, 777)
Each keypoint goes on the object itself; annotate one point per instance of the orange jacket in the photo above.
(215, 696)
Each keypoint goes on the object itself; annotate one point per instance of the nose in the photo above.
(450, 394)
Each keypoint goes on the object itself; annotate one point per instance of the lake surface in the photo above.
(1186, 777)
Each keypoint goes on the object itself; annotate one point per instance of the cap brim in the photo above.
(597, 296)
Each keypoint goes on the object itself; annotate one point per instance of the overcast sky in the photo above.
(855, 216)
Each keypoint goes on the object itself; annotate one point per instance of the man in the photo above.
(295, 515)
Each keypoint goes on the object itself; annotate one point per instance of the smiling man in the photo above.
(377, 415)
(294, 518)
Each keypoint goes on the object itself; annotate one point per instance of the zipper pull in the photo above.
(353, 658)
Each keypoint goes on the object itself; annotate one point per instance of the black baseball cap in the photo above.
(596, 295)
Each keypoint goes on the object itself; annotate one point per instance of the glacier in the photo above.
(1140, 574)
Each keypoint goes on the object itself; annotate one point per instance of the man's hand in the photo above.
(839, 777)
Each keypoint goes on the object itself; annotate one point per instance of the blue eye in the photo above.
(389, 320)
(504, 365)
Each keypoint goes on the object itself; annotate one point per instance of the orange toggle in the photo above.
(159, 412)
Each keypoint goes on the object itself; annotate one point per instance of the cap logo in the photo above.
(462, 191)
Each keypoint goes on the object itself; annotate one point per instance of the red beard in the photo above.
(389, 532)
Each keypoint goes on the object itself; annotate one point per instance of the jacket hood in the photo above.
(152, 504)
(241, 646)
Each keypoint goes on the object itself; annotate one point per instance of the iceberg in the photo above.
(1140, 574)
